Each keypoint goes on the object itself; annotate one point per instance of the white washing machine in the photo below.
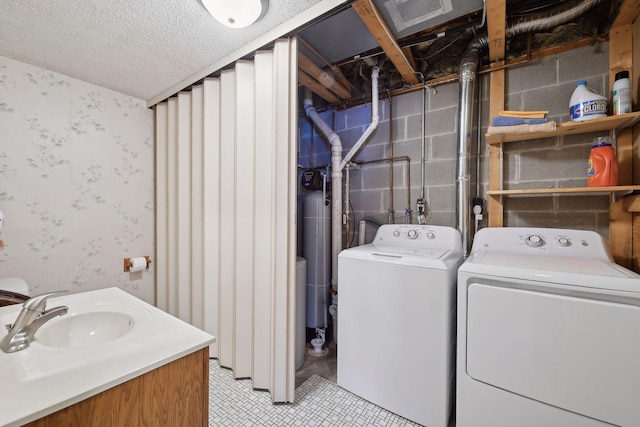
(396, 328)
(548, 332)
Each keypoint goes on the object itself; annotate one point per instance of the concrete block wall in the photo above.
(547, 84)
(544, 84)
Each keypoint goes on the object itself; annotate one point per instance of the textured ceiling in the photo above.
(141, 48)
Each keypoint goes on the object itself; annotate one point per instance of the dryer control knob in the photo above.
(564, 242)
(396, 233)
(430, 235)
(534, 241)
(412, 234)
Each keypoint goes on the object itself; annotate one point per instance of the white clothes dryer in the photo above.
(548, 332)
(396, 320)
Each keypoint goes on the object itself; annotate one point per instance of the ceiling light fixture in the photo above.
(236, 13)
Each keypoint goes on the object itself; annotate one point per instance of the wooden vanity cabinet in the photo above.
(176, 394)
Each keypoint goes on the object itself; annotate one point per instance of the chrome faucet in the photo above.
(30, 319)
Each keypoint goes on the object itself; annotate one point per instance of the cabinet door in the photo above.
(176, 394)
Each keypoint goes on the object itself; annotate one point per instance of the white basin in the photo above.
(108, 337)
(85, 329)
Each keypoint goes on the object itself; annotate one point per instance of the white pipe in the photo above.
(336, 195)
(337, 164)
(374, 119)
(347, 194)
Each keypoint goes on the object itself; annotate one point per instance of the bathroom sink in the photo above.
(85, 329)
(107, 338)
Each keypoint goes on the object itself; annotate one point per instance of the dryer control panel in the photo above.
(547, 241)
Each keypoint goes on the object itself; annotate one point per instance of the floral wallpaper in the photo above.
(76, 183)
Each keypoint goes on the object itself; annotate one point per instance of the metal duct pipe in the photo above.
(465, 122)
(468, 71)
(552, 18)
(541, 21)
(362, 232)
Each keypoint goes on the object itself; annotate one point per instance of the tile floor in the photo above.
(325, 366)
(319, 401)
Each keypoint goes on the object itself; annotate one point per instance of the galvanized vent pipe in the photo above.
(468, 70)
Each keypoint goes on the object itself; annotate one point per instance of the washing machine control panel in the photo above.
(415, 235)
(551, 241)
(534, 241)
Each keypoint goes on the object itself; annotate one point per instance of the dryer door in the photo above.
(577, 354)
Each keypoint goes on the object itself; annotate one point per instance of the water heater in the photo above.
(317, 252)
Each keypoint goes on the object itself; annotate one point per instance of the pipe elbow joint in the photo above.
(335, 143)
(308, 106)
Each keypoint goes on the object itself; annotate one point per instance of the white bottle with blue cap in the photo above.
(585, 104)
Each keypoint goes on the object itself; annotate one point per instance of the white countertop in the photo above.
(41, 380)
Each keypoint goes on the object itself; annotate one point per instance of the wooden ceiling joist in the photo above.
(496, 22)
(314, 86)
(327, 80)
(371, 17)
(629, 9)
(408, 53)
(336, 70)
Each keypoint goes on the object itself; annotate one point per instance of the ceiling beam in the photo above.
(409, 54)
(379, 29)
(496, 23)
(312, 84)
(336, 70)
(326, 79)
(629, 9)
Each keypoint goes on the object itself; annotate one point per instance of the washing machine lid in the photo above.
(439, 258)
(427, 246)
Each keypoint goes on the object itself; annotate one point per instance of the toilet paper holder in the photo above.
(128, 263)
